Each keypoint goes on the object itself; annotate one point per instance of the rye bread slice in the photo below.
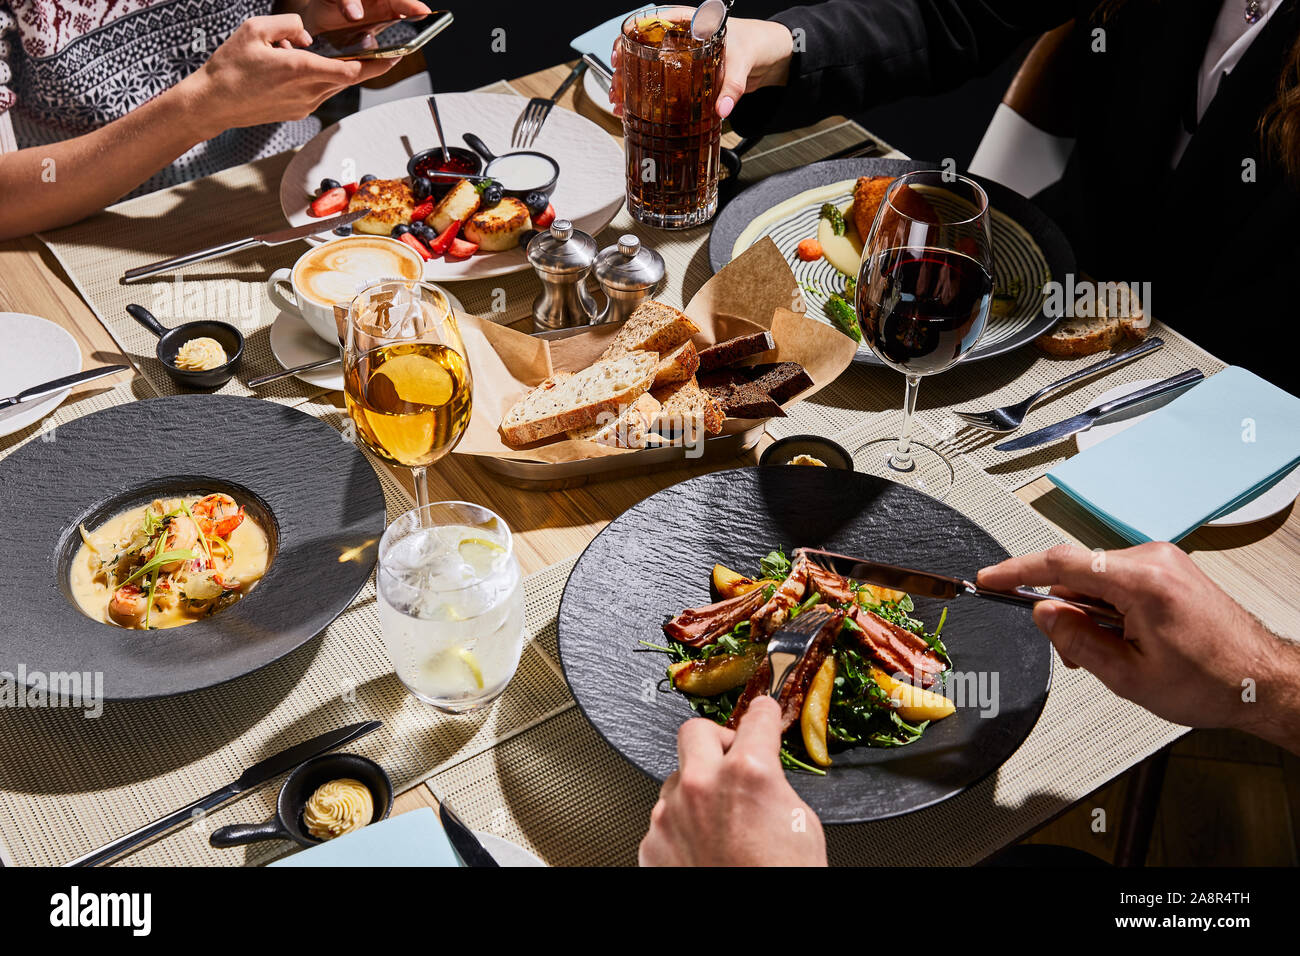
(734, 350)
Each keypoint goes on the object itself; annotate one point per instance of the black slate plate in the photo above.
(1015, 256)
(654, 560)
(316, 493)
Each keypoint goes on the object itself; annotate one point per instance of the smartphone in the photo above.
(382, 40)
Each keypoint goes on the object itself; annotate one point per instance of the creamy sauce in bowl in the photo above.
(520, 171)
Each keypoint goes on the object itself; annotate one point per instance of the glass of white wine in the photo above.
(406, 375)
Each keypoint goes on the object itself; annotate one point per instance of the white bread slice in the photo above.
(630, 428)
(685, 409)
(566, 403)
(652, 327)
(677, 365)
(1073, 337)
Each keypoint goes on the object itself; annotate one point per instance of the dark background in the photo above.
(538, 35)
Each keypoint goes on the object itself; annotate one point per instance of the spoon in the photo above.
(709, 18)
(437, 123)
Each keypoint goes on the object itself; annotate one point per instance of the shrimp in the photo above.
(181, 535)
(218, 515)
(128, 605)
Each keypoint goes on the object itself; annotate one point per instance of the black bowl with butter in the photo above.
(821, 451)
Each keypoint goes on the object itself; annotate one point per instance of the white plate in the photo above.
(596, 93)
(1277, 498)
(35, 351)
(505, 852)
(293, 343)
(380, 140)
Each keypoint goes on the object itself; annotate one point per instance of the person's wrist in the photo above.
(1271, 709)
(778, 46)
(194, 102)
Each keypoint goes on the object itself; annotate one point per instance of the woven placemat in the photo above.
(865, 392)
(70, 783)
(567, 796)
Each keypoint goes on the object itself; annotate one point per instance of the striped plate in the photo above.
(1029, 250)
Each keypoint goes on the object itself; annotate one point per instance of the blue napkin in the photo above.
(1205, 453)
(408, 839)
(600, 40)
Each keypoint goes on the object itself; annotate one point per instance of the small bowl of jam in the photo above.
(459, 162)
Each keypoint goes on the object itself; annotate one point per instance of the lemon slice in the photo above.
(469, 660)
(418, 379)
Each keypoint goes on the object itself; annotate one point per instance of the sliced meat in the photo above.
(785, 598)
(796, 685)
(895, 648)
(832, 586)
(698, 626)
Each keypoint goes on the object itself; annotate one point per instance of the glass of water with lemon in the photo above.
(451, 604)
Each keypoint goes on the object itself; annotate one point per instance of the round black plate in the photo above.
(1011, 334)
(655, 559)
(320, 494)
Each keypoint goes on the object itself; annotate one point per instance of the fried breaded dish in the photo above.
(870, 191)
(390, 202)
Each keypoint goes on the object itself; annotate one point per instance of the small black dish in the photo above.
(783, 452)
(489, 157)
(171, 340)
(287, 823)
(463, 162)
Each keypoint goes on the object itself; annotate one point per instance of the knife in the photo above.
(254, 776)
(602, 73)
(945, 588)
(463, 838)
(59, 384)
(1081, 421)
(279, 237)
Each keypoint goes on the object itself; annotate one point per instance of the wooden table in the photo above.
(1259, 564)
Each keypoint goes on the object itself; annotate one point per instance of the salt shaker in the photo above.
(562, 257)
(629, 273)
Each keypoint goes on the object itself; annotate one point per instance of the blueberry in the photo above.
(421, 188)
(400, 230)
(492, 194)
(327, 184)
(368, 177)
(427, 232)
(343, 230)
(536, 203)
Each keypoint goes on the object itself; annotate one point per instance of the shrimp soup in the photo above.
(169, 563)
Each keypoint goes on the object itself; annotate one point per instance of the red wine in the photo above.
(923, 309)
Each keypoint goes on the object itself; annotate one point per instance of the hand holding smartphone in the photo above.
(382, 40)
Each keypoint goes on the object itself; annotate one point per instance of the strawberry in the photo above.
(330, 202)
(461, 249)
(439, 245)
(417, 245)
(545, 219)
(350, 189)
(422, 211)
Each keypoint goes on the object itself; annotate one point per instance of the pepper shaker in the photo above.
(629, 273)
(562, 257)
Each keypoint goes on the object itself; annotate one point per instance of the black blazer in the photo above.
(1222, 253)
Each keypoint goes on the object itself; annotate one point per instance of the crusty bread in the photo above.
(652, 327)
(629, 428)
(1071, 338)
(575, 401)
(685, 408)
(677, 366)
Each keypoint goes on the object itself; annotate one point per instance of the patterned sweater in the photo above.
(71, 66)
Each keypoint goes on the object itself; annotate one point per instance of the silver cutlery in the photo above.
(790, 643)
(254, 776)
(437, 124)
(946, 588)
(279, 237)
(270, 377)
(538, 108)
(59, 384)
(1078, 423)
(604, 75)
(708, 19)
(463, 838)
(1011, 417)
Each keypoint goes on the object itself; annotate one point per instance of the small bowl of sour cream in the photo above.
(519, 173)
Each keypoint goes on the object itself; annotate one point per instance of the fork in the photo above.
(538, 108)
(791, 642)
(1010, 417)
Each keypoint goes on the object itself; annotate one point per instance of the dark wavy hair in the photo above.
(1279, 124)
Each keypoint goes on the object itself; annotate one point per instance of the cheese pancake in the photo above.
(390, 202)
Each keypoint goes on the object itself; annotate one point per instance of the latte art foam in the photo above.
(336, 272)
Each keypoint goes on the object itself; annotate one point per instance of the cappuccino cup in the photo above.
(334, 272)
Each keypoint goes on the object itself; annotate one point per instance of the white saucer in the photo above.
(1277, 498)
(35, 351)
(505, 852)
(596, 93)
(294, 343)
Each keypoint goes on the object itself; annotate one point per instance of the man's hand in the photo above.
(1189, 653)
(757, 54)
(321, 15)
(257, 76)
(729, 803)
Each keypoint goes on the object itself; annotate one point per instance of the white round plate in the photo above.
(590, 191)
(596, 93)
(1275, 499)
(505, 852)
(35, 351)
(293, 343)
